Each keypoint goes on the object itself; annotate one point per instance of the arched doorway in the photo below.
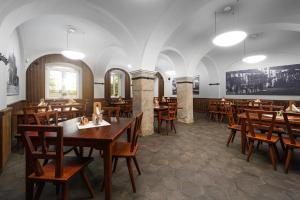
(159, 86)
(117, 83)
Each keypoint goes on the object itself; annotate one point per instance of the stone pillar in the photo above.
(185, 99)
(142, 91)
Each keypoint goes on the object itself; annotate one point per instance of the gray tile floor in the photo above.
(193, 164)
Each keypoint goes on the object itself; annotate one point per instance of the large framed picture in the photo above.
(13, 78)
(279, 80)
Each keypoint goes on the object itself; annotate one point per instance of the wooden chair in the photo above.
(232, 125)
(128, 150)
(29, 113)
(261, 127)
(61, 169)
(292, 141)
(213, 110)
(127, 110)
(51, 118)
(111, 111)
(169, 116)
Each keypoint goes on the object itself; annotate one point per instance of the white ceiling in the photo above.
(153, 34)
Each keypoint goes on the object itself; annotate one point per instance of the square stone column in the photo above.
(185, 99)
(143, 93)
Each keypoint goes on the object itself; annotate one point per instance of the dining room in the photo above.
(149, 99)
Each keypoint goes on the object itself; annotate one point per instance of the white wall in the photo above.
(99, 88)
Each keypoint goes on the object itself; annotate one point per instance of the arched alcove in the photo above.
(107, 83)
(36, 77)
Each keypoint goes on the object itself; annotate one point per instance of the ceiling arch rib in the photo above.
(76, 8)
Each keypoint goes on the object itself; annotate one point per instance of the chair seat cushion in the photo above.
(72, 165)
(263, 137)
(287, 141)
(122, 149)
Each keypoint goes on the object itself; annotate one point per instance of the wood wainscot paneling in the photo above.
(5, 136)
(35, 78)
(16, 107)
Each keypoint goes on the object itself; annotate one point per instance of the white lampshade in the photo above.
(254, 59)
(74, 55)
(230, 38)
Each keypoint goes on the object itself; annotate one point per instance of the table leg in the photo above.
(243, 136)
(129, 134)
(28, 184)
(107, 153)
(158, 122)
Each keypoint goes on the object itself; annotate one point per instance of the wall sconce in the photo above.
(98, 83)
(3, 59)
(211, 84)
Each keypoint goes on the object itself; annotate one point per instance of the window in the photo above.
(63, 81)
(115, 85)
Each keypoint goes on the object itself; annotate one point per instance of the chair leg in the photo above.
(90, 152)
(137, 165)
(233, 136)
(232, 133)
(87, 183)
(77, 152)
(281, 142)
(276, 152)
(131, 174)
(173, 125)
(288, 159)
(272, 155)
(40, 187)
(251, 148)
(65, 193)
(115, 164)
(167, 124)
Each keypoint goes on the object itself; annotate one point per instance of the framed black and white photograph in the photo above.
(174, 89)
(13, 78)
(196, 82)
(279, 80)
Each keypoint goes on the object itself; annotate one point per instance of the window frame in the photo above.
(55, 66)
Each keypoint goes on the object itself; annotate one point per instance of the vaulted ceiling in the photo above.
(153, 34)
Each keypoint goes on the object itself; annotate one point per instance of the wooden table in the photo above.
(99, 137)
(243, 118)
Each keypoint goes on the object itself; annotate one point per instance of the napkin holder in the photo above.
(84, 121)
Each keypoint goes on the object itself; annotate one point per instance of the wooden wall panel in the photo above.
(35, 78)
(161, 85)
(5, 136)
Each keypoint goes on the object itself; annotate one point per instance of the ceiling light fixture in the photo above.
(254, 58)
(229, 38)
(71, 54)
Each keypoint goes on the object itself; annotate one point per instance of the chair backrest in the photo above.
(230, 116)
(37, 148)
(172, 109)
(136, 131)
(292, 121)
(29, 112)
(46, 118)
(111, 111)
(261, 120)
